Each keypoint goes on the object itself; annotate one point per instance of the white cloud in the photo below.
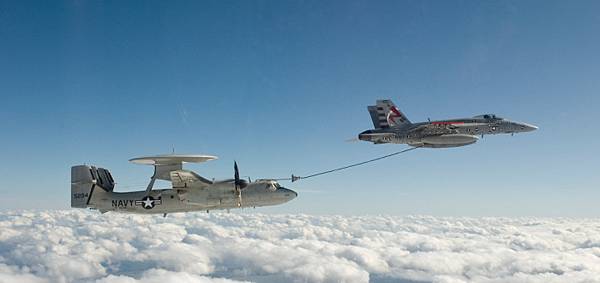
(84, 246)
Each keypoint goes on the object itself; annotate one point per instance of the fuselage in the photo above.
(215, 196)
(445, 133)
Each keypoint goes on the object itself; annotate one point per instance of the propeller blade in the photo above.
(237, 183)
(236, 174)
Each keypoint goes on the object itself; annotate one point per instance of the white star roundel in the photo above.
(148, 202)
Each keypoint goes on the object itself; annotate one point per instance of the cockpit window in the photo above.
(271, 185)
(488, 117)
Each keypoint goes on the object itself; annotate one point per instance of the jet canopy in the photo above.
(488, 117)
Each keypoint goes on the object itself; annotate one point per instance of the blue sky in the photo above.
(279, 85)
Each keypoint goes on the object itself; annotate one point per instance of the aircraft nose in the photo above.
(289, 193)
(529, 127)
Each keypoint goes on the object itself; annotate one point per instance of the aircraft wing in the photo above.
(434, 130)
(442, 128)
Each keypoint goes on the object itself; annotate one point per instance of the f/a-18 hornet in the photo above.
(392, 126)
(92, 187)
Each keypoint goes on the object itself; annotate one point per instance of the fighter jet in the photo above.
(92, 187)
(392, 126)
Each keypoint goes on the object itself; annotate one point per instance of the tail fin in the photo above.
(385, 115)
(84, 180)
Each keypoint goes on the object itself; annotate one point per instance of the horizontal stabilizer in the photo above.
(87, 179)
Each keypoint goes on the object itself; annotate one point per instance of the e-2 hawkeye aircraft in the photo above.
(392, 126)
(92, 187)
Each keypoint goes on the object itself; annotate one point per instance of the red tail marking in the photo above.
(398, 114)
(394, 113)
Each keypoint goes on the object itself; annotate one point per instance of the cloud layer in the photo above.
(84, 246)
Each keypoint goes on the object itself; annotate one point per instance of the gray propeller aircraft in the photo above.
(92, 187)
(392, 126)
